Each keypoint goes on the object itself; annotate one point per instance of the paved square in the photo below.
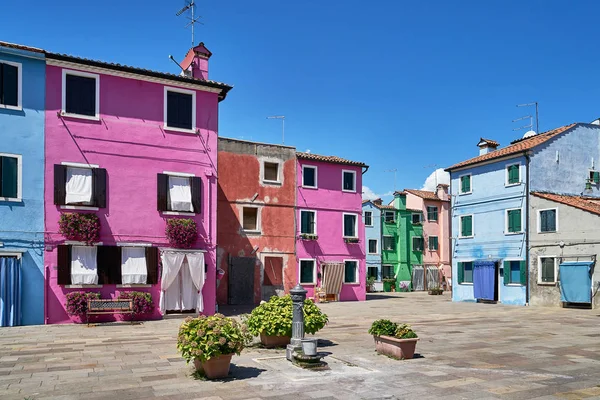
(467, 351)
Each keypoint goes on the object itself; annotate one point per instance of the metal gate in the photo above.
(241, 280)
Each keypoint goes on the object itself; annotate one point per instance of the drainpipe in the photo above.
(46, 280)
(527, 158)
(366, 169)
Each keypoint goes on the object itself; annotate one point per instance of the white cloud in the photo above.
(368, 194)
(438, 176)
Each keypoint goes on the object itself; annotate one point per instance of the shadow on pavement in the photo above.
(381, 296)
(233, 311)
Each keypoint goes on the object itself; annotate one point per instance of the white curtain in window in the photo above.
(79, 185)
(171, 263)
(196, 263)
(180, 194)
(83, 265)
(133, 265)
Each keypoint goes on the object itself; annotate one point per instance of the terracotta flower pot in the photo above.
(216, 367)
(397, 348)
(274, 341)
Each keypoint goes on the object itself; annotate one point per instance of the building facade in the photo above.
(22, 99)
(330, 245)
(137, 149)
(372, 222)
(256, 232)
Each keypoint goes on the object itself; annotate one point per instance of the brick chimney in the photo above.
(195, 62)
(487, 146)
(378, 202)
(441, 191)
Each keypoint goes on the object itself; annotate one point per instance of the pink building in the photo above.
(330, 246)
(136, 148)
(436, 227)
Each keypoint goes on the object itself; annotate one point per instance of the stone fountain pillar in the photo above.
(298, 294)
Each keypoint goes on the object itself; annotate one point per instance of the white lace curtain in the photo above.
(79, 185)
(180, 194)
(171, 264)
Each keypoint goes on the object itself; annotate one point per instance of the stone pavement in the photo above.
(467, 351)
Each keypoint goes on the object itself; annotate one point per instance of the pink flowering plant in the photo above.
(80, 227)
(142, 301)
(181, 232)
(77, 302)
(207, 337)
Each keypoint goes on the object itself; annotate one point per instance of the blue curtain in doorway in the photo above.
(576, 281)
(10, 291)
(484, 279)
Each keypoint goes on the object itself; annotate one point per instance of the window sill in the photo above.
(348, 191)
(84, 208)
(514, 285)
(274, 183)
(14, 108)
(189, 214)
(466, 237)
(180, 130)
(79, 116)
(547, 283)
(352, 283)
(466, 283)
(546, 232)
(252, 232)
(77, 243)
(308, 284)
(373, 254)
(465, 193)
(134, 285)
(11, 200)
(512, 233)
(512, 184)
(82, 286)
(310, 187)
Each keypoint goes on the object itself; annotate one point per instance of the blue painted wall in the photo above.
(22, 223)
(373, 232)
(577, 149)
(488, 202)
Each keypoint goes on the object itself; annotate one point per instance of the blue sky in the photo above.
(395, 84)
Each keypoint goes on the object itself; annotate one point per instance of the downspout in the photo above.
(527, 258)
(366, 167)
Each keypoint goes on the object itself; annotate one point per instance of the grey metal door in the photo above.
(241, 280)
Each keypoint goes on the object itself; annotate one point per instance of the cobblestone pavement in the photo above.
(466, 351)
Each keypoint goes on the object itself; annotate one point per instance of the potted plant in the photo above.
(394, 340)
(388, 283)
(181, 232)
(272, 320)
(77, 303)
(351, 240)
(371, 284)
(404, 286)
(308, 236)
(80, 227)
(211, 342)
(436, 291)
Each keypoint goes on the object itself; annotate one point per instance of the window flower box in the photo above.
(351, 240)
(80, 227)
(181, 232)
(308, 236)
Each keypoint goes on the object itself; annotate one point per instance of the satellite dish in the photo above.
(529, 134)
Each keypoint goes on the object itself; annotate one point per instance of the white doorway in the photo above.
(183, 276)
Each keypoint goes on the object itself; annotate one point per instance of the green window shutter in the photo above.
(506, 272)
(523, 273)
(513, 174)
(517, 220)
(467, 225)
(461, 272)
(596, 177)
(511, 227)
(465, 183)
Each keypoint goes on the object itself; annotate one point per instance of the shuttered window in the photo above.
(350, 226)
(548, 220)
(389, 243)
(547, 270)
(433, 243)
(466, 226)
(80, 95)
(389, 216)
(515, 272)
(163, 195)
(387, 271)
(307, 222)
(465, 184)
(179, 110)
(372, 273)
(513, 174)
(465, 272)
(9, 85)
(9, 177)
(513, 221)
(432, 213)
(307, 271)
(98, 186)
(416, 219)
(417, 243)
(351, 272)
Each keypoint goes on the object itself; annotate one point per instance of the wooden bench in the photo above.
(101, 306)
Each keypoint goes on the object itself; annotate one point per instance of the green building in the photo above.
(402, 240)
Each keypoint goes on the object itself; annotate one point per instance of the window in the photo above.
(368, 218)
(417, 243)
(433, 243)
(179, 193)
(372, 273)
(547, 270)
(84, 268)
(372, 246)
(351, 271)
(308, 222)
(513, 174)
(432, 213)
(307, 272)
(465, 184)
(388, 271)
(10, 85)
(514, 272)
(350, 228)
(466, 226)
(513, 221)
(595, 177)
(271, 172)
(309, 176)
(416, 219)
(133, 265)
(81, 94)
(389, 216)
(349, 181)
(389, 243)
(180, 109)
(10, 177)
(465, 272)
(79, 185)
(547, 220)
(250, 219)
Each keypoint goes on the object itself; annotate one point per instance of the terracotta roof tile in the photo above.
(424, 194)
(20, 47)
(328, 159)
(384, 207)
(586, 204)
(520, 146)
(489, 142)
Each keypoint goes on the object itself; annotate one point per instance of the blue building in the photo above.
(490, 206)
(22, 100)
(372, 220)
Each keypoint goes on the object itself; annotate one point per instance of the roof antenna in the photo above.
(190, 5)
(179, 65)
(537, 119)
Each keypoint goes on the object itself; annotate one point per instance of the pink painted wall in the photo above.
(130, 143)
(331, 202)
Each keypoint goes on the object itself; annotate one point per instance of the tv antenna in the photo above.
(529, 127)
(282, 118)
(394, 170)
(190, 8)
(537, 120)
